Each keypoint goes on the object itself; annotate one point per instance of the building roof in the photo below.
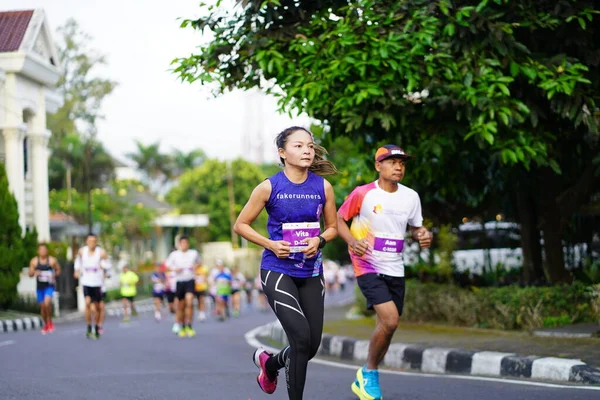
(13, 26)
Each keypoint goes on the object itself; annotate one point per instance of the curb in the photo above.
(21, 324)
(455, 361)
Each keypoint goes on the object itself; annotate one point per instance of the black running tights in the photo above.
(298, 304)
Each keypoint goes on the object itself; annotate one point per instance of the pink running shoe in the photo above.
(45, 329)
(260, 360)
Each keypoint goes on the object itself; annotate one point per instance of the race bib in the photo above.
(387, 243)
(200, 279)
(295, 233)
(46, 276)
(158, 287)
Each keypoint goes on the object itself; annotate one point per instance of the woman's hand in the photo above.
(312, 248)
(281, 248)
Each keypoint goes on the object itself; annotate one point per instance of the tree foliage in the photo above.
(13, 249)
(73, 126)
(203, 190)
(474, 88)
(121, 220)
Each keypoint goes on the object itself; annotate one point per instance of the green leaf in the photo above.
(529, 72)
(514, 69)
(488, 137)
(504, 89)
(555, 167)
(468, 79)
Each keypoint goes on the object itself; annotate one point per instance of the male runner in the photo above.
(90, 264)
(45, 269)
(184, 261)
(380, 212)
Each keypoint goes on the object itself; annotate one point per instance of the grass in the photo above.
(8, 314)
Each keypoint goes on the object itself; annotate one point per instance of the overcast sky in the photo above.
(140, 38)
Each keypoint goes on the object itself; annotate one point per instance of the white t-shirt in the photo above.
(237, 281)
(90, 267)
(381, 217)
(186, 260)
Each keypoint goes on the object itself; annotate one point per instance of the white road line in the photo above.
(254, 342)
(7, 343)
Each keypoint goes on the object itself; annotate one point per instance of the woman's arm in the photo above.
(256, 203)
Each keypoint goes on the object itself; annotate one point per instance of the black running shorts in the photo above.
(185, 287)
(379, 289)
(170, 297)
(93, 292)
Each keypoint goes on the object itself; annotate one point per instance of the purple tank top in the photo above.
(294, 212)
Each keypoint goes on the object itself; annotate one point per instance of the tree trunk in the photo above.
(533, 271)
(551, 222)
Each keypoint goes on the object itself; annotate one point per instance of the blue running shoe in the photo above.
(366, 385)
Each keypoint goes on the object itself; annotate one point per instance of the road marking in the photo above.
(7, 343)
(254, 342)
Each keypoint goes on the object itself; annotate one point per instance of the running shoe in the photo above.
(183, 332)
(266, 384)
(100, 330)
(125, 319)
(50, 327)
(45, 329)
(176, 328)
(190, 332)
(366, 385)
(201, 316)
(91, 335)
(157, 316)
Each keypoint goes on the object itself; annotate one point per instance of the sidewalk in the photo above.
(472, 339)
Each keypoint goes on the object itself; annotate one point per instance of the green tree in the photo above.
(184, 161)
(68, 157)
(474, 88)
(204, 190)
(121, 219)
(83, 93)
(155, 165)
(12, 252)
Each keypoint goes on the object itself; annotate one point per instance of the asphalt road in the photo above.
(144, 360)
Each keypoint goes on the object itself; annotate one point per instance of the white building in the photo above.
(29, 70)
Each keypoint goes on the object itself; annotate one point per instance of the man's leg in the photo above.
(47, 307)
(189, 308)
(88, 311)
(125, 311)
(387, 323)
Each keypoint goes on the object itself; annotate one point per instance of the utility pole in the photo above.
(231, 199)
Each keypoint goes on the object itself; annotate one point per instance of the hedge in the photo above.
(508, 308)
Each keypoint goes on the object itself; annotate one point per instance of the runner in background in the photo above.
(238, 280)
(158, 291)
(201, 290)
(223, 291)
(45, 268)
(129, 281)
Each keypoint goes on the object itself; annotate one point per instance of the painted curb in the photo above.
(21, 324)
(454, 361)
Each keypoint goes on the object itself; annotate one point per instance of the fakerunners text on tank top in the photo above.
(294, 211)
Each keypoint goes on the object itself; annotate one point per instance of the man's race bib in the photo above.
(387, 243)
(46, 276)
(158, 287)
(295, 233)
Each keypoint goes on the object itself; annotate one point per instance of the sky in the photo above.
(140, 38)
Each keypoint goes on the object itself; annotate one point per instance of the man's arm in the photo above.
(359, 247)
(77, 266)
(32, 271)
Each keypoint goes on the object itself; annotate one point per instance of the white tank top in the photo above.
(92, 273)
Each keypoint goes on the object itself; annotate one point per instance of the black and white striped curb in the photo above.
(20, 324)
(141, 309)
(456, 361)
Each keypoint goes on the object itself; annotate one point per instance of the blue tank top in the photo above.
(294, 203)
